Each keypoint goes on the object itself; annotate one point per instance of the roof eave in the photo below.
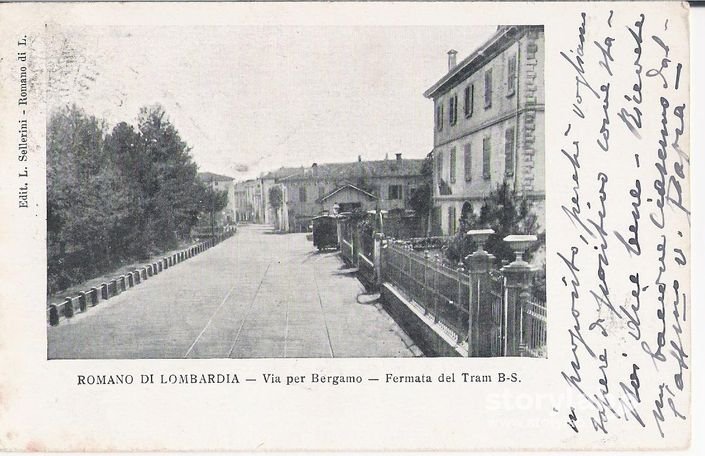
(477, 54)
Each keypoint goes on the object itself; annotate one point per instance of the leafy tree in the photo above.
(211, 202)
(421, 198)
(86, 198)
(119, 195)
(504, 212)
(276, 200)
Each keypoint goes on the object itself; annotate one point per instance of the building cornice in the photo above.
(494, 121)
(505, 37)
(533, 196)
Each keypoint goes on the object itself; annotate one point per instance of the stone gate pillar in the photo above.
(518, 276)
(480, 316)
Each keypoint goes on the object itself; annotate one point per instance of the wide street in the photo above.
(255, 295)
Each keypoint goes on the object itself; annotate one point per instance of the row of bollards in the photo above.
(90, 298)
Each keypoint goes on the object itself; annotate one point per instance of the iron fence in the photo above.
(442, 293)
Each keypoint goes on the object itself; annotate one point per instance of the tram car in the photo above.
(325, 232)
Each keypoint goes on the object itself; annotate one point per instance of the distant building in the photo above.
(383, 184)
(219, 182)
(267, 181)
(348, 198)
(248, 201)
(489, 125)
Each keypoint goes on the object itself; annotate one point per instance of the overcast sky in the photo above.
(252, 99)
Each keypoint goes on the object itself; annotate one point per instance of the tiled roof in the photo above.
(502, 39)
(282, 173)
(370, 169)
(212, 177)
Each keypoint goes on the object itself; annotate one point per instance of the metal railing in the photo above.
(486, 311)
(442, 293)
(534, 328)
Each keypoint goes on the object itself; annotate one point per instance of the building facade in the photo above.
(381, 184)
(221, 183)
(248, 201)
(489, 126)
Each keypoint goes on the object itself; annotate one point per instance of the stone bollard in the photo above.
(123, 283)
(518, 274)
(113, 288)
(155, 271)
(94, 296)
(53, 315)
(149, 270)
(160, 267)
(165, 262)
(104, 291)
(82, 301)
(143, 272)
(130, 280)
(68, 308)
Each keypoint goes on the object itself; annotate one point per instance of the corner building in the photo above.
(489, 126)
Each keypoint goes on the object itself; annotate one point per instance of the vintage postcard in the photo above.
(345, 226)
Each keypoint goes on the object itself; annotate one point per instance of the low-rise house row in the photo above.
(328, 187)
(489, 126)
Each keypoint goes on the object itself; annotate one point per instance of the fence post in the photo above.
(459, 303)
(424, 294)
(480, 307)
(377, 254)
(518, 276)
(435, 286)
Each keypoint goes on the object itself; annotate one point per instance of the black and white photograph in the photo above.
(348, 226)
(300, 192)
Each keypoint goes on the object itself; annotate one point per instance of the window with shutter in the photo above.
(439, 117)
(302, 194)
(439, 166)
(395, 192)
(450, 111)
(488, 88)
(511, 74)
(453, 159)
(486, 151)
(509, 152)
(453, 109)
(467, 158)
(469, 99)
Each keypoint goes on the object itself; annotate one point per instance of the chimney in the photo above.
(398, 157)
(451, 59)
(359, 158)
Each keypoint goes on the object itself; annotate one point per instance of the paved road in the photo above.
(256, 295)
